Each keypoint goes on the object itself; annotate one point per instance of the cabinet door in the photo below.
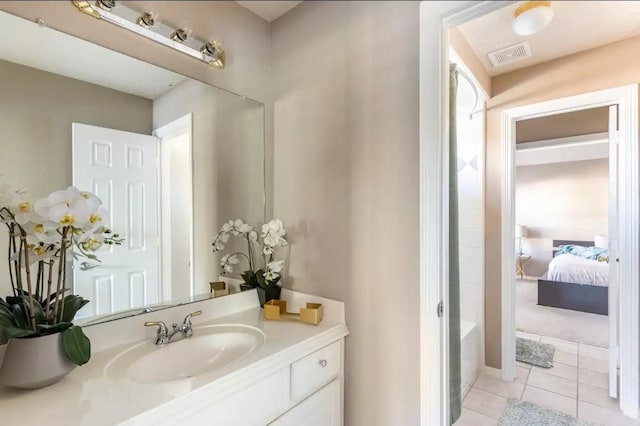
(320, 409)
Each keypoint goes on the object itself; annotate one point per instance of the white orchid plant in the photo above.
(41, 236)
(271, 237)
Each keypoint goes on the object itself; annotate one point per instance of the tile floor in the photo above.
(576, 385)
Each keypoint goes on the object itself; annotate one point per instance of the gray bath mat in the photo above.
(521, 413)
(534, 353)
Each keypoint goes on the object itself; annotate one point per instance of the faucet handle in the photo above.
(162, 337)
(187, 319)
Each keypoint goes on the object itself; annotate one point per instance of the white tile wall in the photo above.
(470, 134)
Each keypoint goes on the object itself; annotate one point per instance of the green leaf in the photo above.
(39, 312)
(20, 316)
(72, 304)
(53, 328)
(19, 332)
(76, 345)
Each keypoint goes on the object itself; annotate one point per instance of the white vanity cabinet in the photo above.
(306, 390)
(323, 408)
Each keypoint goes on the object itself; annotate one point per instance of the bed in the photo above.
(575, 283)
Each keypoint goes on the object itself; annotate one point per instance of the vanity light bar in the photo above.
(214, 55)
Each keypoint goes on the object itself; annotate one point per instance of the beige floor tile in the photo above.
(550, 400)
(597, 396)
(565, 358)
(560, 370)
(522, 374)
(473, 418)
(534, 337)
(591, 364)
(496, 385)
(602, 416)
(561, 345)
(554, 384)
(492, 372)
(593, 378)
(487, 403)
(523, 365)
(594, 352)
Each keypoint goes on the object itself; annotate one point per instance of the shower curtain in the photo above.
(455, 391)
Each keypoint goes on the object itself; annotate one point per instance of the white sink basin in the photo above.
(209, 348)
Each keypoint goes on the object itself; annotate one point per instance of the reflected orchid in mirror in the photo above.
(271, 237)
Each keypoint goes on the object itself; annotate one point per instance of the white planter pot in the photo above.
(33, 363)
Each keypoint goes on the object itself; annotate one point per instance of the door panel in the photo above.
(121, 169)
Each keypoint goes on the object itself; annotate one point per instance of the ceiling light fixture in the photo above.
(531, 17)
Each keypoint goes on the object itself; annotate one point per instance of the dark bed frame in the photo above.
(577, 297)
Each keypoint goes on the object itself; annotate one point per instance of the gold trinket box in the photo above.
(276, 310)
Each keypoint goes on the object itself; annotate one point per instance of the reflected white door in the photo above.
(614, 139)
(121, 168)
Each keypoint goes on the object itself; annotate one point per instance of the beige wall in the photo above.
(228, 164)
(595, 69)
(37, 109)
(468, 56)
(576, 123)
(564, 201)
(346, 184)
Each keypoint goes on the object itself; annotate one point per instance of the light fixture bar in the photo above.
(154, 33)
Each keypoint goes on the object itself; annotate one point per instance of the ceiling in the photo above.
(576, 26)
(269, 10)
(59, 53)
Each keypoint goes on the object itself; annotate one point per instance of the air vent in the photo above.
(510, 54)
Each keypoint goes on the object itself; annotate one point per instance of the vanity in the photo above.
(172, 159)
(279, 373)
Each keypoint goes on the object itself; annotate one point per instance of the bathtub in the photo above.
(469, 354)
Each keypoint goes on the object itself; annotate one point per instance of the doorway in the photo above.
(436, 20)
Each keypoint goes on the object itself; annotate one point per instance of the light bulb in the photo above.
(148, 19)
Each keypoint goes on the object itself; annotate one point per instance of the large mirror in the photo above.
(171, 158)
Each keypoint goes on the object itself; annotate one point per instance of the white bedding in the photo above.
(574, 269)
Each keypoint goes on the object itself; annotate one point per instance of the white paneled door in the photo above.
(121, 168)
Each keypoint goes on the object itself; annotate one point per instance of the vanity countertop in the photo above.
(87, 397)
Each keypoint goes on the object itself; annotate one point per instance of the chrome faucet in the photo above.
(163, 337)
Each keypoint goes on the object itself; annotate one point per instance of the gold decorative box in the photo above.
(276, 310)
(219, 288)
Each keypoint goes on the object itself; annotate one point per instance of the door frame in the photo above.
(436, 18)
(626, 97)
(180, 126)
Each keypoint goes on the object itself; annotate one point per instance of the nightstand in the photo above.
(521, 262)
